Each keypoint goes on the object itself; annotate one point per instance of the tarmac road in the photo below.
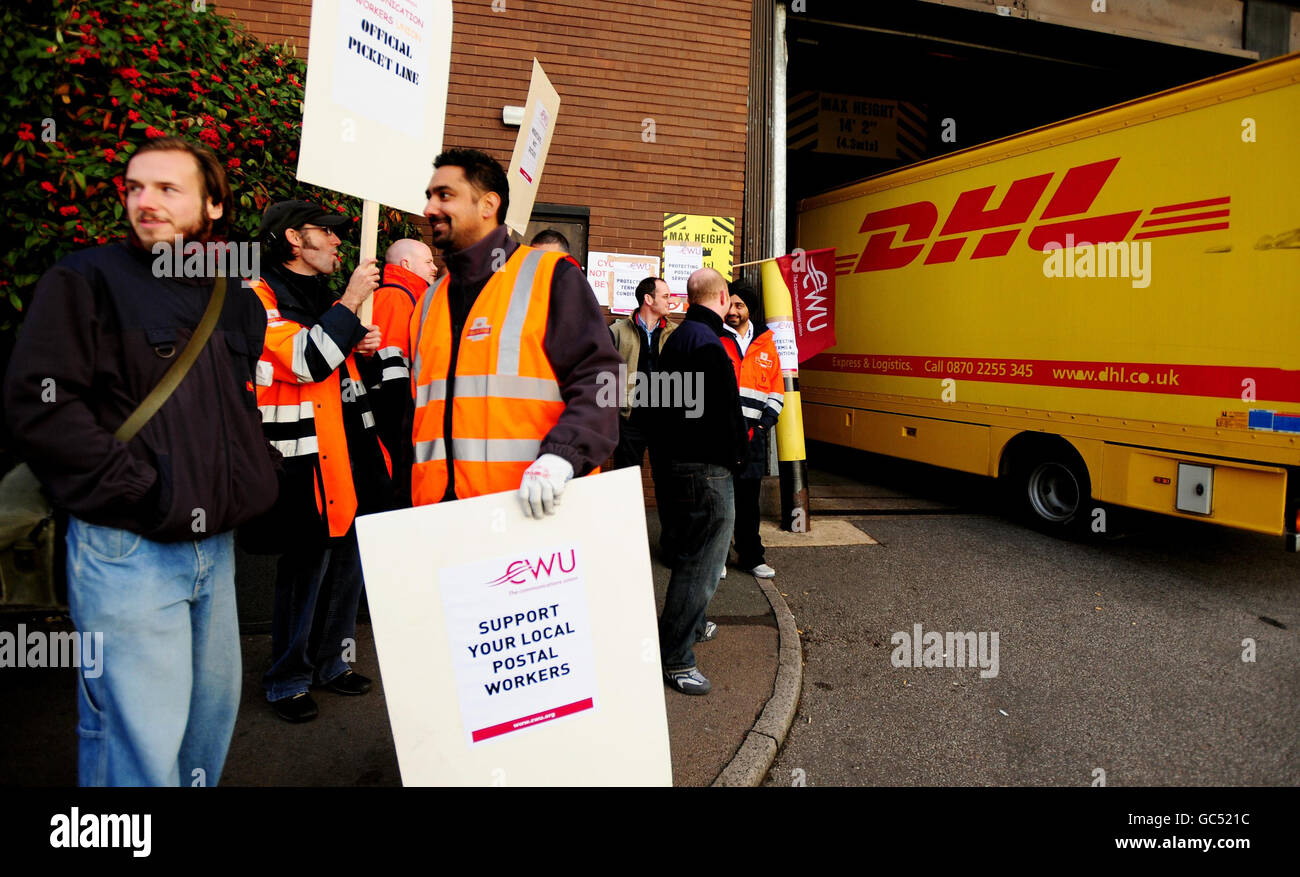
(1123, 656)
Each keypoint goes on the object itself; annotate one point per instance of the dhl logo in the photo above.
(971, 213)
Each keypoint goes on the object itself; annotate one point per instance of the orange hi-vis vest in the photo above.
(394, 302)
(304, 417)
(758, 375)
(505, 395)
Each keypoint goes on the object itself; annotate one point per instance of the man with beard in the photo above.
(316, 412)
(752, 349)
(150, 544)
(508, 353)
(639, 339)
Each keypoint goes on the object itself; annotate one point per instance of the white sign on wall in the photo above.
(627, 273)
(376, 87)
(600, 268)
(680, 262)
(786, 347)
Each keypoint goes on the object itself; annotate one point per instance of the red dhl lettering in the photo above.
(1078, 189)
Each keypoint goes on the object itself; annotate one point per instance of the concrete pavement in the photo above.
(729, 736)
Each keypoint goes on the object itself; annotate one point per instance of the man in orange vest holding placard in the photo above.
(317, 414)
(507, 354)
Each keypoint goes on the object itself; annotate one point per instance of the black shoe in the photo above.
(348, 682)
(299, 708)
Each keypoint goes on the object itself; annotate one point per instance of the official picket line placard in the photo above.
(515, 651)
(383, 55)
(376, 85)
(520, 639)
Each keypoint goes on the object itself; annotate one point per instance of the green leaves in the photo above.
(131, 66)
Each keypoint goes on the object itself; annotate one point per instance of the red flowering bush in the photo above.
(99, 77)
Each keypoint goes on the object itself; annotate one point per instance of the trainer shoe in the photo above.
(690, 681)
(710, 631)
(763, 571)
(723, 574)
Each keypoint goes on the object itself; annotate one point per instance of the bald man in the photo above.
(408, 271)
(413, 257)
(703, 435)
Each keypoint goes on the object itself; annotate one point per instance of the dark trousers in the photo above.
(703, 514)
(749, 547)
(633, 440)
(316, 594)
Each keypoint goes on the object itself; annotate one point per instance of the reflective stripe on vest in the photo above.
(315, 408)
(505, 397)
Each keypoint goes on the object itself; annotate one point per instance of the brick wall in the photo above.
(615, 64)
(684, 65)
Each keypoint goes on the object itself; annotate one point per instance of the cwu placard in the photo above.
(520, 638)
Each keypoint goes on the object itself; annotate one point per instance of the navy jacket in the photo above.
(101, 332)
(701, 422)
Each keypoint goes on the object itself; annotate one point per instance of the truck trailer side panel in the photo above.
(1129, 278)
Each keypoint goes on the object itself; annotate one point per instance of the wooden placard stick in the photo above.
(369, 243)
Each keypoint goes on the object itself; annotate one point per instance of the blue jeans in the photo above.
(703, 513)
(163, 706)
(317, 590)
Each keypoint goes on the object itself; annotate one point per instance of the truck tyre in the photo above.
(1053, 491)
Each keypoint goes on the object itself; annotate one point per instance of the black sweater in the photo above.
(712, 429)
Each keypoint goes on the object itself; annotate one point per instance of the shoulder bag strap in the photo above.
(172, 379)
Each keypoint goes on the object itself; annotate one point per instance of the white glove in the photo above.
(539, 492)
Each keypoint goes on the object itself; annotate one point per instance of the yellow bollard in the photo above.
(792, 463)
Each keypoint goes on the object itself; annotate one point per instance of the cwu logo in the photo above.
(525, 572)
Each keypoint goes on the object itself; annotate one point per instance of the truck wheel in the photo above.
(1055, 492)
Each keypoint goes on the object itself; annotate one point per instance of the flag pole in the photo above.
(792, 462)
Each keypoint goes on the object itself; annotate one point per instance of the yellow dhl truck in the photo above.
(1102, 310)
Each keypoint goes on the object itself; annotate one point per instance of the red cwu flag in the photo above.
(810, 275)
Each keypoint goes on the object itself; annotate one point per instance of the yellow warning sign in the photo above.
(848, 124)
(717, 234)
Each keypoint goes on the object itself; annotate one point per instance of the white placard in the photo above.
(532, 156)
(599, 268)
(379, 62)
(625, 273)
(626, 280)
(786, 348)
(680, 262)
(531, 145)
(520, 639)
(376, 86)
(435, 573)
